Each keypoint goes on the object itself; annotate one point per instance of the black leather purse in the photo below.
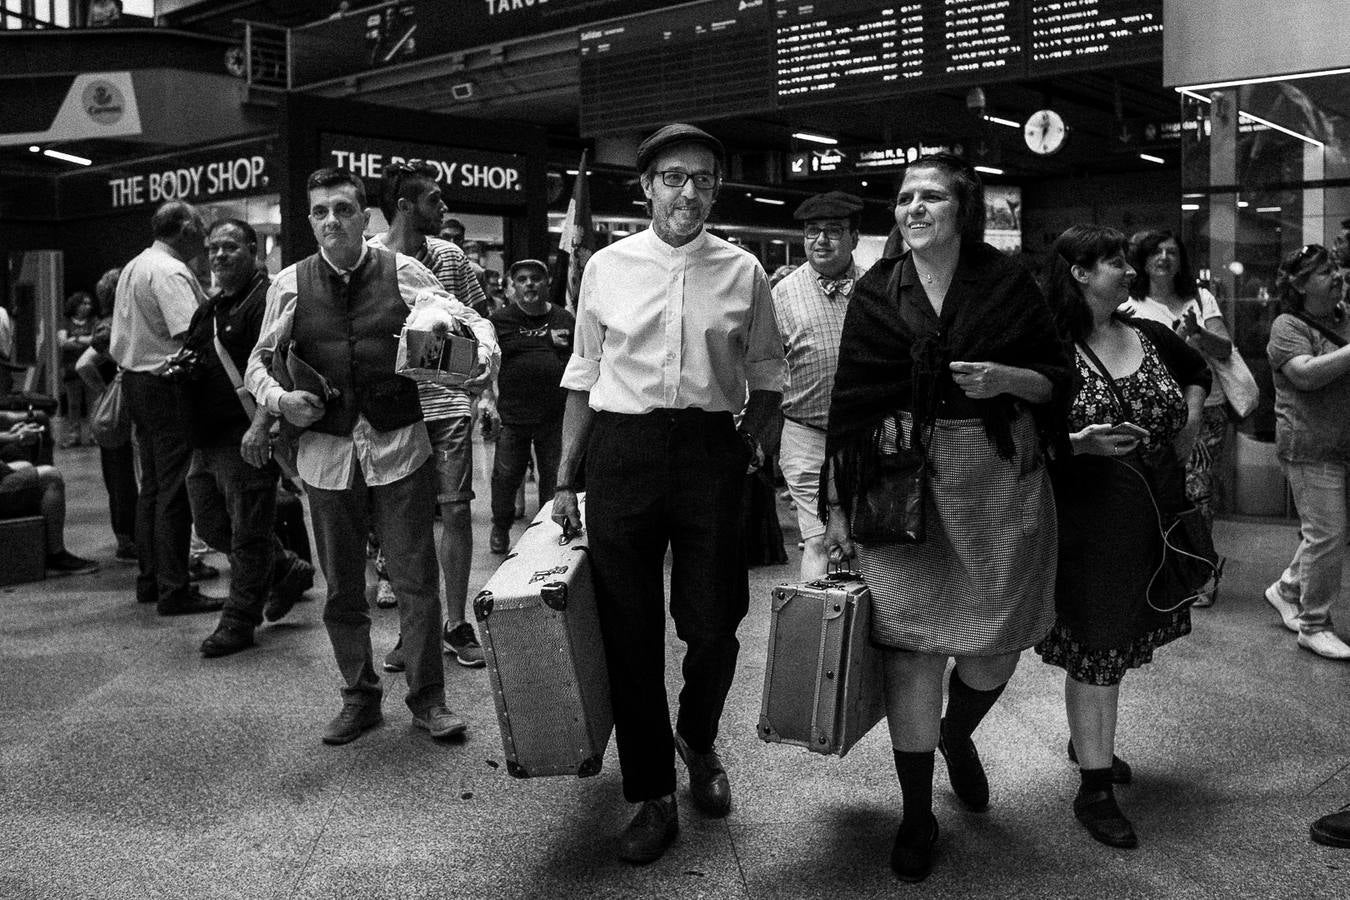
(889, 509)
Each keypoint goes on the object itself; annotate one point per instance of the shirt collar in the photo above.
(365, 251)
(699, 242)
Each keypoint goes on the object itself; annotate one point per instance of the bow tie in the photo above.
(836, 286)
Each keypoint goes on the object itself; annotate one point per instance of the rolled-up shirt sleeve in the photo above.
(765, 368)
(178, 295)
(277, 320)
(588, 338)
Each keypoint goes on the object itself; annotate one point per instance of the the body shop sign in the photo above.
(466, 176)
(197, 177)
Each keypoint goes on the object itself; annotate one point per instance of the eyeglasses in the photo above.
(677, 179)
(833, 232)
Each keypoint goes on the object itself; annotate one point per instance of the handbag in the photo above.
(1189, 560)
(111, 422)
(1239, 385)
(890, 508)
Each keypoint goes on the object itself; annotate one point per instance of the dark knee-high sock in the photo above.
(966, 706)
(1095, 780)
(916, 789)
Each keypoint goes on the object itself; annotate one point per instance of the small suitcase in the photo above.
(541, 636)
(823, 683)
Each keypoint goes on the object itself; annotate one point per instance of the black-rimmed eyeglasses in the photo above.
(833, 232)
(677, 179)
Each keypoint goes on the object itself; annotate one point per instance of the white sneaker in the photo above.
(384, 595)
(1325, 643)
(1288, 611)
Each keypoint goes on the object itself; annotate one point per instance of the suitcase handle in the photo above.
(568, 533)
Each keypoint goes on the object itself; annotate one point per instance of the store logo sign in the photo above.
(103, 102)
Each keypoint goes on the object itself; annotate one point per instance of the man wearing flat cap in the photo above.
(536, 341)
(809, 307)
(674, 327)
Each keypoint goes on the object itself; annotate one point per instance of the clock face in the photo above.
(1045, 132)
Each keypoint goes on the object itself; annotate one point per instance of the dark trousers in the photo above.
(159, 416)
(234, 509)
(670, 478)
(119, 477)
(402, 514)
(511, 459)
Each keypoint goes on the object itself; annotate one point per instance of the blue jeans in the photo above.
(234, 509)
(1313, 578)
(402, 514)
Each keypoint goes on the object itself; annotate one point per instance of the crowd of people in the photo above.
(1057, 428)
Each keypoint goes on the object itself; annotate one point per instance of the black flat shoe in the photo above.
(1121, 773)
(912, 861)
(227, 639)
(965, 770)
(1102, 818)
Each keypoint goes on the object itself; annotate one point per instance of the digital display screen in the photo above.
(692, 62)
(1070, 35)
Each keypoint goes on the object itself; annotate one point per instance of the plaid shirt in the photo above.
(812, 326)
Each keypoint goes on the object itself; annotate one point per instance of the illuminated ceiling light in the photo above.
(1190, 207)
(989, 170)
(68, 157)
(769, 200)
(1147, 157)
(1192, 196)
(1267, 209)
(1263, 80)
(1243, 204)
(641, 203)
(34, 148)
(998, 120)
(574, 172)
(1243, 114)
(815, 138)
(776, 241)
(864, 183)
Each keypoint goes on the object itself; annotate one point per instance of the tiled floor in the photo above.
(132, 767)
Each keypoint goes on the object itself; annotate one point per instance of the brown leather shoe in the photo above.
(652, 830)
(354, 720)
(708, 783)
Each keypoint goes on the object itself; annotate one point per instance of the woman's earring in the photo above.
(1338, 313)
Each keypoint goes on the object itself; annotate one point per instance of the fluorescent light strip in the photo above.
(1146, 157)
(34, 148)
(1001, 121)
(1264, 80)
(1243, 114)
(1268, 209)
(1243, 204)
(815, 138)
(68, 157)
(988, 170)
(1190, 207)
(770, 201)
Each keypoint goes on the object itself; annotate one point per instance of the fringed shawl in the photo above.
(895, 352)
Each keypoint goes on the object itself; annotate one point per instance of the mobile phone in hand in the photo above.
(1131, 429)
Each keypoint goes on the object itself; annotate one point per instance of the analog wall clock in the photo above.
(1045, 132)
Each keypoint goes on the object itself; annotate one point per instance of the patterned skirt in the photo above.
(983, 583)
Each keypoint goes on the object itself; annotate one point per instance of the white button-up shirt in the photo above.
(662, 327)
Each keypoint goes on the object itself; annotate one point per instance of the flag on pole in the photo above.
(578, 239)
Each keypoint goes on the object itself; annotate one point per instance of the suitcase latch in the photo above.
(554, 595)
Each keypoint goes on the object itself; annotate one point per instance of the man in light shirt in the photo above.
(364, 454)
(809, 307)
(156, 296)
(673, 327)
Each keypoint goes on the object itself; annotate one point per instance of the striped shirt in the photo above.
(812, 325)
(453, 270)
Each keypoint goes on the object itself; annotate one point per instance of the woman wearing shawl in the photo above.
(956, 341)
(1109, 544)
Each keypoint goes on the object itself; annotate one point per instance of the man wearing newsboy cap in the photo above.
(674, 326)
(809, 307)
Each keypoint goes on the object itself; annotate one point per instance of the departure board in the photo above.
(699, 61)
(860, 49)
(1071, 35)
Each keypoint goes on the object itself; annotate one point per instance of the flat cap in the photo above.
(523, 263)
(829, 205)
(676, 133)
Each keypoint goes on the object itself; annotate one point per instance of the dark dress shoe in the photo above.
(352, 722)
(708, 783)
(1333, 830)
(652, 830)
(199, 570)
(912, 860)
(191, 603)
(288, 590)
(964, 769)
(1121, 773)
(228, 638)
(499, 540)
(1100, 815)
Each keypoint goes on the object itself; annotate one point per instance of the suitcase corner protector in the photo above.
(591, 766)
(767, 732)
(516, 770)
(482, 605)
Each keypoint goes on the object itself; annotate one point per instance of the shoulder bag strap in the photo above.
(245, 398)
(1122, 407)
(1326, 332)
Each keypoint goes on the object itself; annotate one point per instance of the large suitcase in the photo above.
(545, 658)
(823, 683)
